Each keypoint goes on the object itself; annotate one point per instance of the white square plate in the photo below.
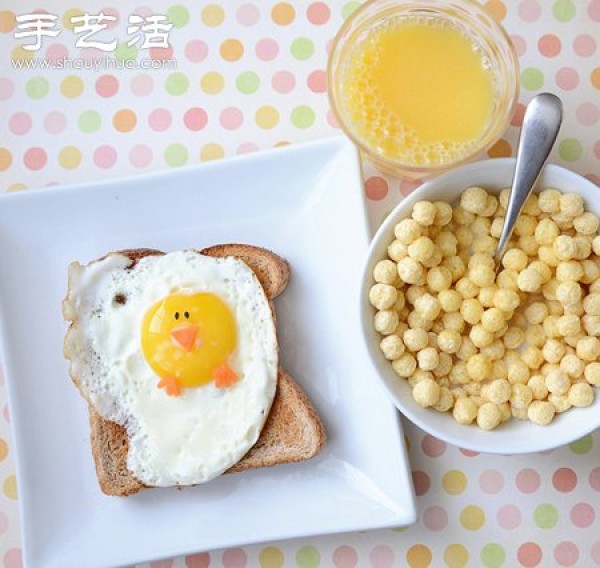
(304, 203)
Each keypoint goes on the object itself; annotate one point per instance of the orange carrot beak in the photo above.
(185, 337)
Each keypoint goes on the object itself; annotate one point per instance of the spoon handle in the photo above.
(541, 124)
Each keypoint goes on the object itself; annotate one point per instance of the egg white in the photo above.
(182, 440)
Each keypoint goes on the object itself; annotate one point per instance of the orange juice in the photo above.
(416, 90)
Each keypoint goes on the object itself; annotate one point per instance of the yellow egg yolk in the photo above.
(187, 337)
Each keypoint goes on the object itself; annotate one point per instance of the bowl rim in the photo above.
(417, 415)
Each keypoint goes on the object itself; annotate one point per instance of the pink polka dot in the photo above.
(421, 482)
(195, 118)
(201, 560)
(595, 551)
(376, 188)
(567, 78)
(529, 10)
(162, 53)
(464, 451)
(594, 10)
(13, 558)
(105, 156)
(35, 158)
(91, 54)
(594, 478)
(20, 123)
(519, 44)
(528, 480)
(107, 85)
(584, 45)
(110, 11)
(318, 13)
(587, 114)
(491, 481)
(509, 517)
(231, 118)
(7, 88)
(283, 81)
(247, 14)
(564, 479)
(140, 156)
(593, 178)
(549, 45)
(597, 153)
(3, 523)
(332, 120)
(162, 564)
(582, 515)
(234, 558)
(435, 518)
(517, 119)
(432, 447)
(317, 81)
(267, 49)
(6, 413)
(160, 119)
(246, 148)
(382, 556)
(345, 557)
(566, 553)
(196, 50)
(142, 85)
(57, 52)
(55, 122)
(529, 554)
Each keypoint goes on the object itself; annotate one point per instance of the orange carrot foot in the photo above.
(225, 377)
(171, 386)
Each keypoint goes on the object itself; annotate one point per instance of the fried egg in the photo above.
(181, 350)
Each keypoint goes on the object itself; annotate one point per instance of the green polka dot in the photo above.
(126, 52)
(583, 445)
(89, 121)
(545, 516)
(302, 48)
(399, 529)
(37, 87)
(532, 79)
(308, 557)
(176, 155)
(563, 10)
(492, 555)
(177, 84)
(270, 557)
(349, 8)
(247, 82)
(178, 15)
(570, 149)
(303, 117)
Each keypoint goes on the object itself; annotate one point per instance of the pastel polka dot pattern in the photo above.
(250, 76)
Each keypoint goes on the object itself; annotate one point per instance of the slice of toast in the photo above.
(293, 431)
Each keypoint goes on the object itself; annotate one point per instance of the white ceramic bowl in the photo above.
(514, 436)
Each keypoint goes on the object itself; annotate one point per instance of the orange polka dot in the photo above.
(7, 21)
(283, 13)
(501, 149)
(496, 9)
(3, 449)
(281, 144)
(124, 120)
(231, 49)
(418, 556)
(5, 159)
(596, 77)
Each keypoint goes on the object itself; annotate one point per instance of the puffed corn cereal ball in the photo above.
(557, 382)
(592, 374)
(488, 416)
(581, 395)
(385, 272)
(426, 393)
(392, 347)
(541, 412)
(498, 391)
(479, 367)
(449, 341)
(465, 410)
(407, 231)
(474, 200)
(386, 321)
(424, 213)
(382, 296)
(445, 401)
(411, 271)
(405, 365)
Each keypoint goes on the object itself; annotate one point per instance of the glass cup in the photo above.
(489, 37)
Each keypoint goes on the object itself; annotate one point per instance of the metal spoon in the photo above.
(541, 124)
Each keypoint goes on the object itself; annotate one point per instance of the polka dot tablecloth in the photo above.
(239, 77)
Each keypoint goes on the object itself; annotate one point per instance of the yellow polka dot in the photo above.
(595, 77)
(5, 159)
(124, 120)
(271, 557)
(472, 517)
(19, 53)
(454, 482)
(212, 83)
(211, 151)
(71, 13)
(418, 556)
(16, 187)
(7, 21)
(71, 86)
(212, 15)
(496, 9)
(69, 157)
(231, 49)
(283, 13)
(456, 556)
(10, 487)
(267, 117)
(3, 449)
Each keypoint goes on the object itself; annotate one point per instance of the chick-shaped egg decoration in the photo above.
(187, 340)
